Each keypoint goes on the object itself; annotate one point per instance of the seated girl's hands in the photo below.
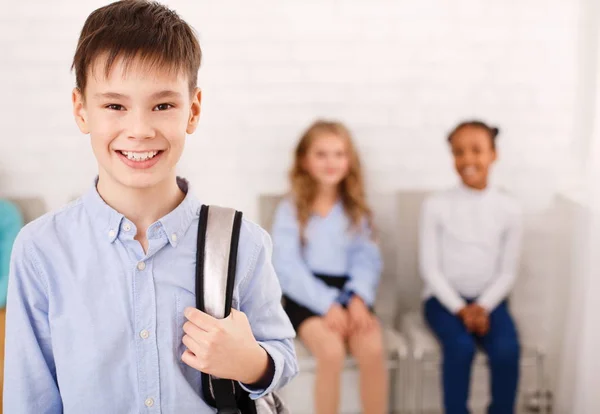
(337, 319)
(361, 318)
(481, 323)
(475, 318)
(467, 316)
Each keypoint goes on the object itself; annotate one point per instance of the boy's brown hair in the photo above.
(132, 29)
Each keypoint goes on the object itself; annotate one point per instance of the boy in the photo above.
(101, 315)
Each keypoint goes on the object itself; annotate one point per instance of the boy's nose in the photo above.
(140, 127)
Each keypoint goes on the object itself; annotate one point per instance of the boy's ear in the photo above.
(79, 111)
(194, 111)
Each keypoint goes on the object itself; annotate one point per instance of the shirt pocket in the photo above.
(183, 299)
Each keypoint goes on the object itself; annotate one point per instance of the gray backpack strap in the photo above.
(216, 258)
(220, 229)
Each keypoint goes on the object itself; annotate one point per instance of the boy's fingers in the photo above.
(189, 359)
(193, 331)
(202, 320)
(191, 345)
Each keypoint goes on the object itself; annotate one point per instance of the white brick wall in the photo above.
(400, 73)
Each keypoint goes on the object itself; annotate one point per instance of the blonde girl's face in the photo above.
(327, 160)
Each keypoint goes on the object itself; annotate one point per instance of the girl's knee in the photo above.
(370, 348)
(331, 355)
(460, 349)
(504, 352)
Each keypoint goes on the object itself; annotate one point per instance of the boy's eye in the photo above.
(115, 107)
(162, 107)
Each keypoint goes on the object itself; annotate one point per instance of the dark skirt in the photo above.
(298, 313)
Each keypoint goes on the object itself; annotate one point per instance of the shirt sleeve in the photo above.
(297, 281)
(260, 300)
(365, 265)
(10, 224)
(30, 384)
(429, 259)
(509, 262)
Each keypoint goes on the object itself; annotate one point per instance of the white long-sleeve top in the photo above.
(469, 246)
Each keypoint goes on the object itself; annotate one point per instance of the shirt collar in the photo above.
(473, 192)
(108, 221)
(178, 221)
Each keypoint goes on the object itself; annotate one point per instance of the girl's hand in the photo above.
(481, 320)
(467, 316)
(337, 319)
(361, 318)
(475, 318)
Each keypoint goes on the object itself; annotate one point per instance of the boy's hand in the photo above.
(223, 348)
(337, 319)
(360, 316)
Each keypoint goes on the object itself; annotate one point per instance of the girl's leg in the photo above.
(502, 346)
(458, 347)
(367, 348)
(330, 352)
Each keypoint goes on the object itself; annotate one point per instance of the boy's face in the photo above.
(137, 121)
(473, 154)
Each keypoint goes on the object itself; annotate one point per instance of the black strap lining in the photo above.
(235, 239)
(201, 243)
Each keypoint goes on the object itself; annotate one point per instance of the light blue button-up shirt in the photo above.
(331, 247)
(95, 325)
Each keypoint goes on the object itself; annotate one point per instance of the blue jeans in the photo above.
(458, 345)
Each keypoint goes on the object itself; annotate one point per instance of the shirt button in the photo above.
(173, 237)
(144, 334)
(111, 234)
(141, 266)
(149, 402)
(126, 227)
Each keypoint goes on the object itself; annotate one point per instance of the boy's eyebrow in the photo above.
(110, 95)
(157, 95)
(166, 94)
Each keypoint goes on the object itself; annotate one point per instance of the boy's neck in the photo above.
(143, 206)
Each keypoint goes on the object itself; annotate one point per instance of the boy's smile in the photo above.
(141, 159)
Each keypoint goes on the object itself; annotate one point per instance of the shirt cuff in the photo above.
(322, 304)
(276, 363)
(487, 303)
(454, 304)
(364, 292)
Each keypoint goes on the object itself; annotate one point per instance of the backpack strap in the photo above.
(216, 258)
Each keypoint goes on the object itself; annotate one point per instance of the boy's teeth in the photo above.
(139, 156)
